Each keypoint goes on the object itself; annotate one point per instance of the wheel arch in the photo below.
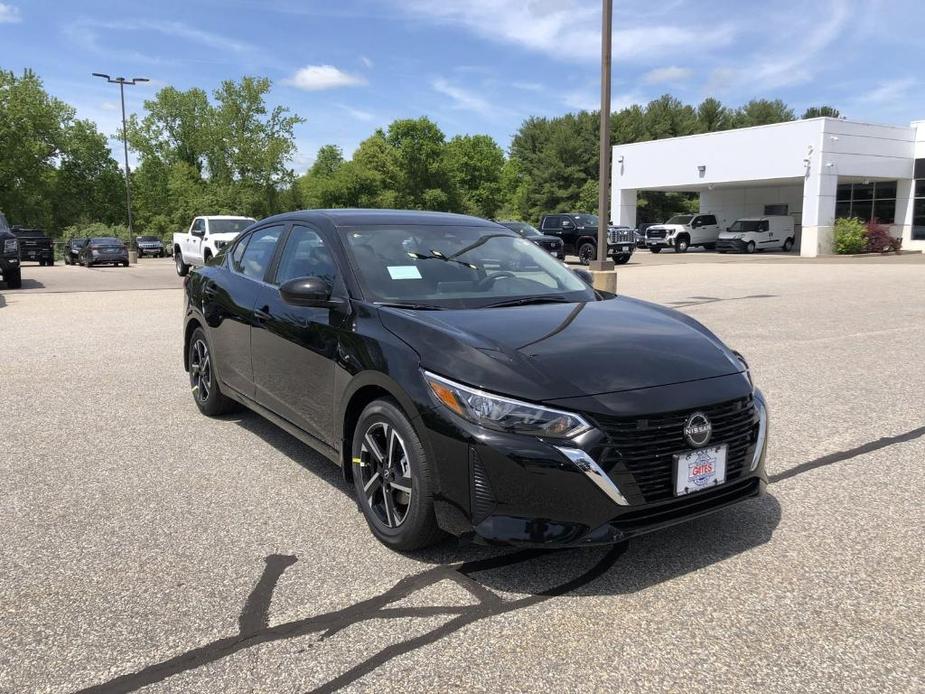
(188, 331)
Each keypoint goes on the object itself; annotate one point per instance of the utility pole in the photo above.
(121, 81)
(603, 263)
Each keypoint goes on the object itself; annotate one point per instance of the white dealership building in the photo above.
(816, 170)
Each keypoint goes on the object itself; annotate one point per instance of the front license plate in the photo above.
(700, 469)
(624, 249)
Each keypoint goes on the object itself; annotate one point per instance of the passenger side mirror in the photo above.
(584, 275)
(309, 292)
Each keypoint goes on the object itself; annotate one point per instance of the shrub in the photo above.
(879, 239)
(83, 231)
(849, 236)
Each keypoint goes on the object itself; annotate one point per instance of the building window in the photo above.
(782, 208)
(918, 211)
(868, 201)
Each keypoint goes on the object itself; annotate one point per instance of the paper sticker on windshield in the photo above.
(404, 272)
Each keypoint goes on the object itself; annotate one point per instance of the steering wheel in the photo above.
(485, 282)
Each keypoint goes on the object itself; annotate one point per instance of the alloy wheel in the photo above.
(385, 471)
(586, 253)
(200, 370)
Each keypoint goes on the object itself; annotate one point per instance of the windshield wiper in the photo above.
(525, 300)
(410, 305)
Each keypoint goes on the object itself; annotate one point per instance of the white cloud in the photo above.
(313, 78)
(463, 98)
(358, 114)
(9, 14)
(670, 74)
(528, 86)
(367, 62)
(889, 92)
(548, 25)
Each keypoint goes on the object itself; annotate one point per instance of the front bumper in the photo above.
(659, 243)
(521, 490)
(150, 250)
(731, 245)
(621, 248)
(8, 263)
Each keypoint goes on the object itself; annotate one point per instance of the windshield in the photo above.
(522, 228)
(680, 219)
(456, 266)
(29, 233)
(106, 241)
(148, 238)
(3, 223)
(585, 220)
(229, 226)
(744, 225)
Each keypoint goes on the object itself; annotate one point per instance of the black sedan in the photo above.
(105, 250)
(470, 384)
(551, 244)
(72, 250)
(150, 245)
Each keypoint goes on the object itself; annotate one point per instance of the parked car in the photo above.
(150, 245)
(103, 250)
(579, 235)
(466, 394)
(35, 245)
(683, 231)
(771, 232)
(640, 234)
(72, 250)
(205, 238)
(10, 268)
(551, 244)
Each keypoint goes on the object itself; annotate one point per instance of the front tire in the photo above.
(587, 252)
(393, 478)
(681, 245)
(655, 249)
(750, 248)
(13, 279)
(182, 268)
(203, 382)
(621, 258)
(788, 245)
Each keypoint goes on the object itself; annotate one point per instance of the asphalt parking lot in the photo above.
(146, 546)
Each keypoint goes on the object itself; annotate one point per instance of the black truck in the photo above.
(579, 235)
(34, 245)
(9, 256)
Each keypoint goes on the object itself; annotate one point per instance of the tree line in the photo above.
(230, 154)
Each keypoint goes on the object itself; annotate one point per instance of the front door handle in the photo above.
(262, 314)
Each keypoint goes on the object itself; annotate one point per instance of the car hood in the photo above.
(550, 351)
(546, 238)
(666, 227)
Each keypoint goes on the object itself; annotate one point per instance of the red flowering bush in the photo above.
(878, 238)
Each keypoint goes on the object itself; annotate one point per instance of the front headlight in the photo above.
(10, 245)
(504, 414)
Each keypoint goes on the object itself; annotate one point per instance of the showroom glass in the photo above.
(229, 226)
(305, 255)
(867, 201)
(680, 219)
(252, 257)
(456, 266)
(918, 211)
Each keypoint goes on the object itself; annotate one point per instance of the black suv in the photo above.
(9, 256)
(34, 245)
(550, 244)
(579, 235)
(150, 245)
(72, 250)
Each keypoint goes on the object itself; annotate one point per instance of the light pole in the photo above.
(121, 81)
(604, 263)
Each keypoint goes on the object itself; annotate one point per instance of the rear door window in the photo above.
(708, 219)
(552, 222)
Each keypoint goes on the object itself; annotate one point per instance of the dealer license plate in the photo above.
(700, 469)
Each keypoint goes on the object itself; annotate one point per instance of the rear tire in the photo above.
(124, 263)
(208, 396)
(13, 279)
(587, 252)
(393, 481)
(182, 268)
(788, 245)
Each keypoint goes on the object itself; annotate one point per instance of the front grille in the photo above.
(621, 235)
(655, 234)
(639, 452)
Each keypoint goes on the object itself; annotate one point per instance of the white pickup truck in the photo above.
(683, 231)
(205, 237)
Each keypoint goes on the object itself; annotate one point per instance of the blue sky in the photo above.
(474, 66)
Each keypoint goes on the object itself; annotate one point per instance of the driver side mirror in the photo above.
(584, 275)
(198, 232)
(566, 224)
(308, 292)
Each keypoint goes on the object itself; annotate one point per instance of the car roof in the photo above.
(361, 217)
(223, 216)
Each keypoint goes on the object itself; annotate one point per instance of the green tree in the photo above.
(820, 111)
(763, 112)
(327, 161)
(668, 117)
(474, 164)
(418, 146)
(713, 116)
